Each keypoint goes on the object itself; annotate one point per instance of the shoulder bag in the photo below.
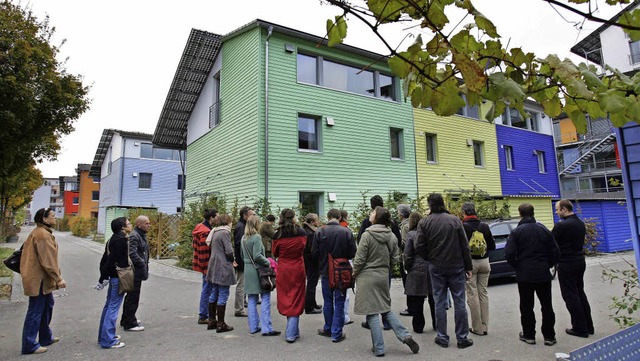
(267, 275)
(125, 274)
(13, 262)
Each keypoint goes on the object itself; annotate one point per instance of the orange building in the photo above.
(89, 192)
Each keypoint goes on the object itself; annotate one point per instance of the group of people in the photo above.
(433, 251)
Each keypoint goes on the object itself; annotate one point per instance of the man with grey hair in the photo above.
(477, 292)
(404, 210)
(139, 254)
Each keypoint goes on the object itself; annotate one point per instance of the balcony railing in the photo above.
(214, 115)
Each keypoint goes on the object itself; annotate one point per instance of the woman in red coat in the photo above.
(288, 247)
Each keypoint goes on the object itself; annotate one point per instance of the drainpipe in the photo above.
(266, 114)
(124, 146)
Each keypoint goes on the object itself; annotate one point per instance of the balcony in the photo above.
(214, 115)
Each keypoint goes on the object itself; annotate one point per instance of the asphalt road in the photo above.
(168, 310)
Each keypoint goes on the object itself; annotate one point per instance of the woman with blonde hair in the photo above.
(288, 246)
(253, 253)
(220, 272)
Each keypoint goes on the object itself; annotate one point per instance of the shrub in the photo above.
(80, 226)
(629, 302)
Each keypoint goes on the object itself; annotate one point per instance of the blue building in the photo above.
(527, 159)
(629, 143)
(135, 173)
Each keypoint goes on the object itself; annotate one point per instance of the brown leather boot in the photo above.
(222, 326)
(212, 324)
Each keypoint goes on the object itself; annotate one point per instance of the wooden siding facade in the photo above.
(454, 168)
(543, 209)
(86, 205)
(354, 154)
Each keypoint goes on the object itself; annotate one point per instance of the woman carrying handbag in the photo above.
(116, 256)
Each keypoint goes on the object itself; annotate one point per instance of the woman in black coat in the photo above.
(116, 254)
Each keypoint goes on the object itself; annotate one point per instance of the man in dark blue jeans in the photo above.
(531, 250)
(337, 240)
(441, 240)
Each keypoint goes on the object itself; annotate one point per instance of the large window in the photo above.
(508, 156)
(75, 200)
(432, 148)
(144, 181)
(310, 202)
(471, 111)
(147, 150)
(635, 52)
(308, 133)
(354, 79)
(478, 153)
(542, 168)
(397, 143)
(513, 118)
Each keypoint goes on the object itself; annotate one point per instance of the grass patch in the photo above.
(4, 253)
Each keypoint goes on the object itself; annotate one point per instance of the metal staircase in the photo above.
(599, 136)
(592, 149)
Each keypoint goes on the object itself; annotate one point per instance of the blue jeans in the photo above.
(454, 280)
(265, 313)
(376, 332)
(36, 323)
(107, 328)
(219, 294)
(203, 312)
(333, 309)
(293, 330)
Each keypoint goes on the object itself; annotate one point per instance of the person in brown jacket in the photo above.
(40, 276)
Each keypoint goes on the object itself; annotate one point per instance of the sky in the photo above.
(128, 51)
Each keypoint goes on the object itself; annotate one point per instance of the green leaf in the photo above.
(631, 18)
(612, 101)
(336, 32)
(446, 99)
(472, 73)
(486, 25)
(398, 66)
(386, 11)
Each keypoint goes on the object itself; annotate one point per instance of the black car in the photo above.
(500, 230)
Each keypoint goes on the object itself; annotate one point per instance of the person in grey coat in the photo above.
(139, 254)
(377, 253)
(220, 273)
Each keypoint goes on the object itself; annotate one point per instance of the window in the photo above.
(513, 118)
(307, 69)
(95, 195)
(508, 156)
(146, 150)
(308, 137)
(397, 143)
(181, 181)
(432, 155)
(470, 111)
(478, 153)
(634, 47)
(310, 202)
(541, 165)
(96, 179)
(75, 201)
(109, 166)
(144, 181)
(317, 70)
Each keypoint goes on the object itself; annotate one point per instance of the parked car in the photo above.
(500, 230)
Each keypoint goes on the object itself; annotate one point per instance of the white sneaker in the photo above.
(117, 338)
(135, 329)
(120, 344)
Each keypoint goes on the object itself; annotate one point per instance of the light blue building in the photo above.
(135, 173)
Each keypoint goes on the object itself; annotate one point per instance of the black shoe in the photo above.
(203, 321)
(477, 333)
(405, 313)
(441, 342)
(340, 338)
(272, 333)
(464, 343)
(413, 345)
(386, 327)
(591, 331)
(313, 312)
(530, 341)
(571, 332)
(323, 332)
(318, 307)
(550, 341)
(364, 324)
